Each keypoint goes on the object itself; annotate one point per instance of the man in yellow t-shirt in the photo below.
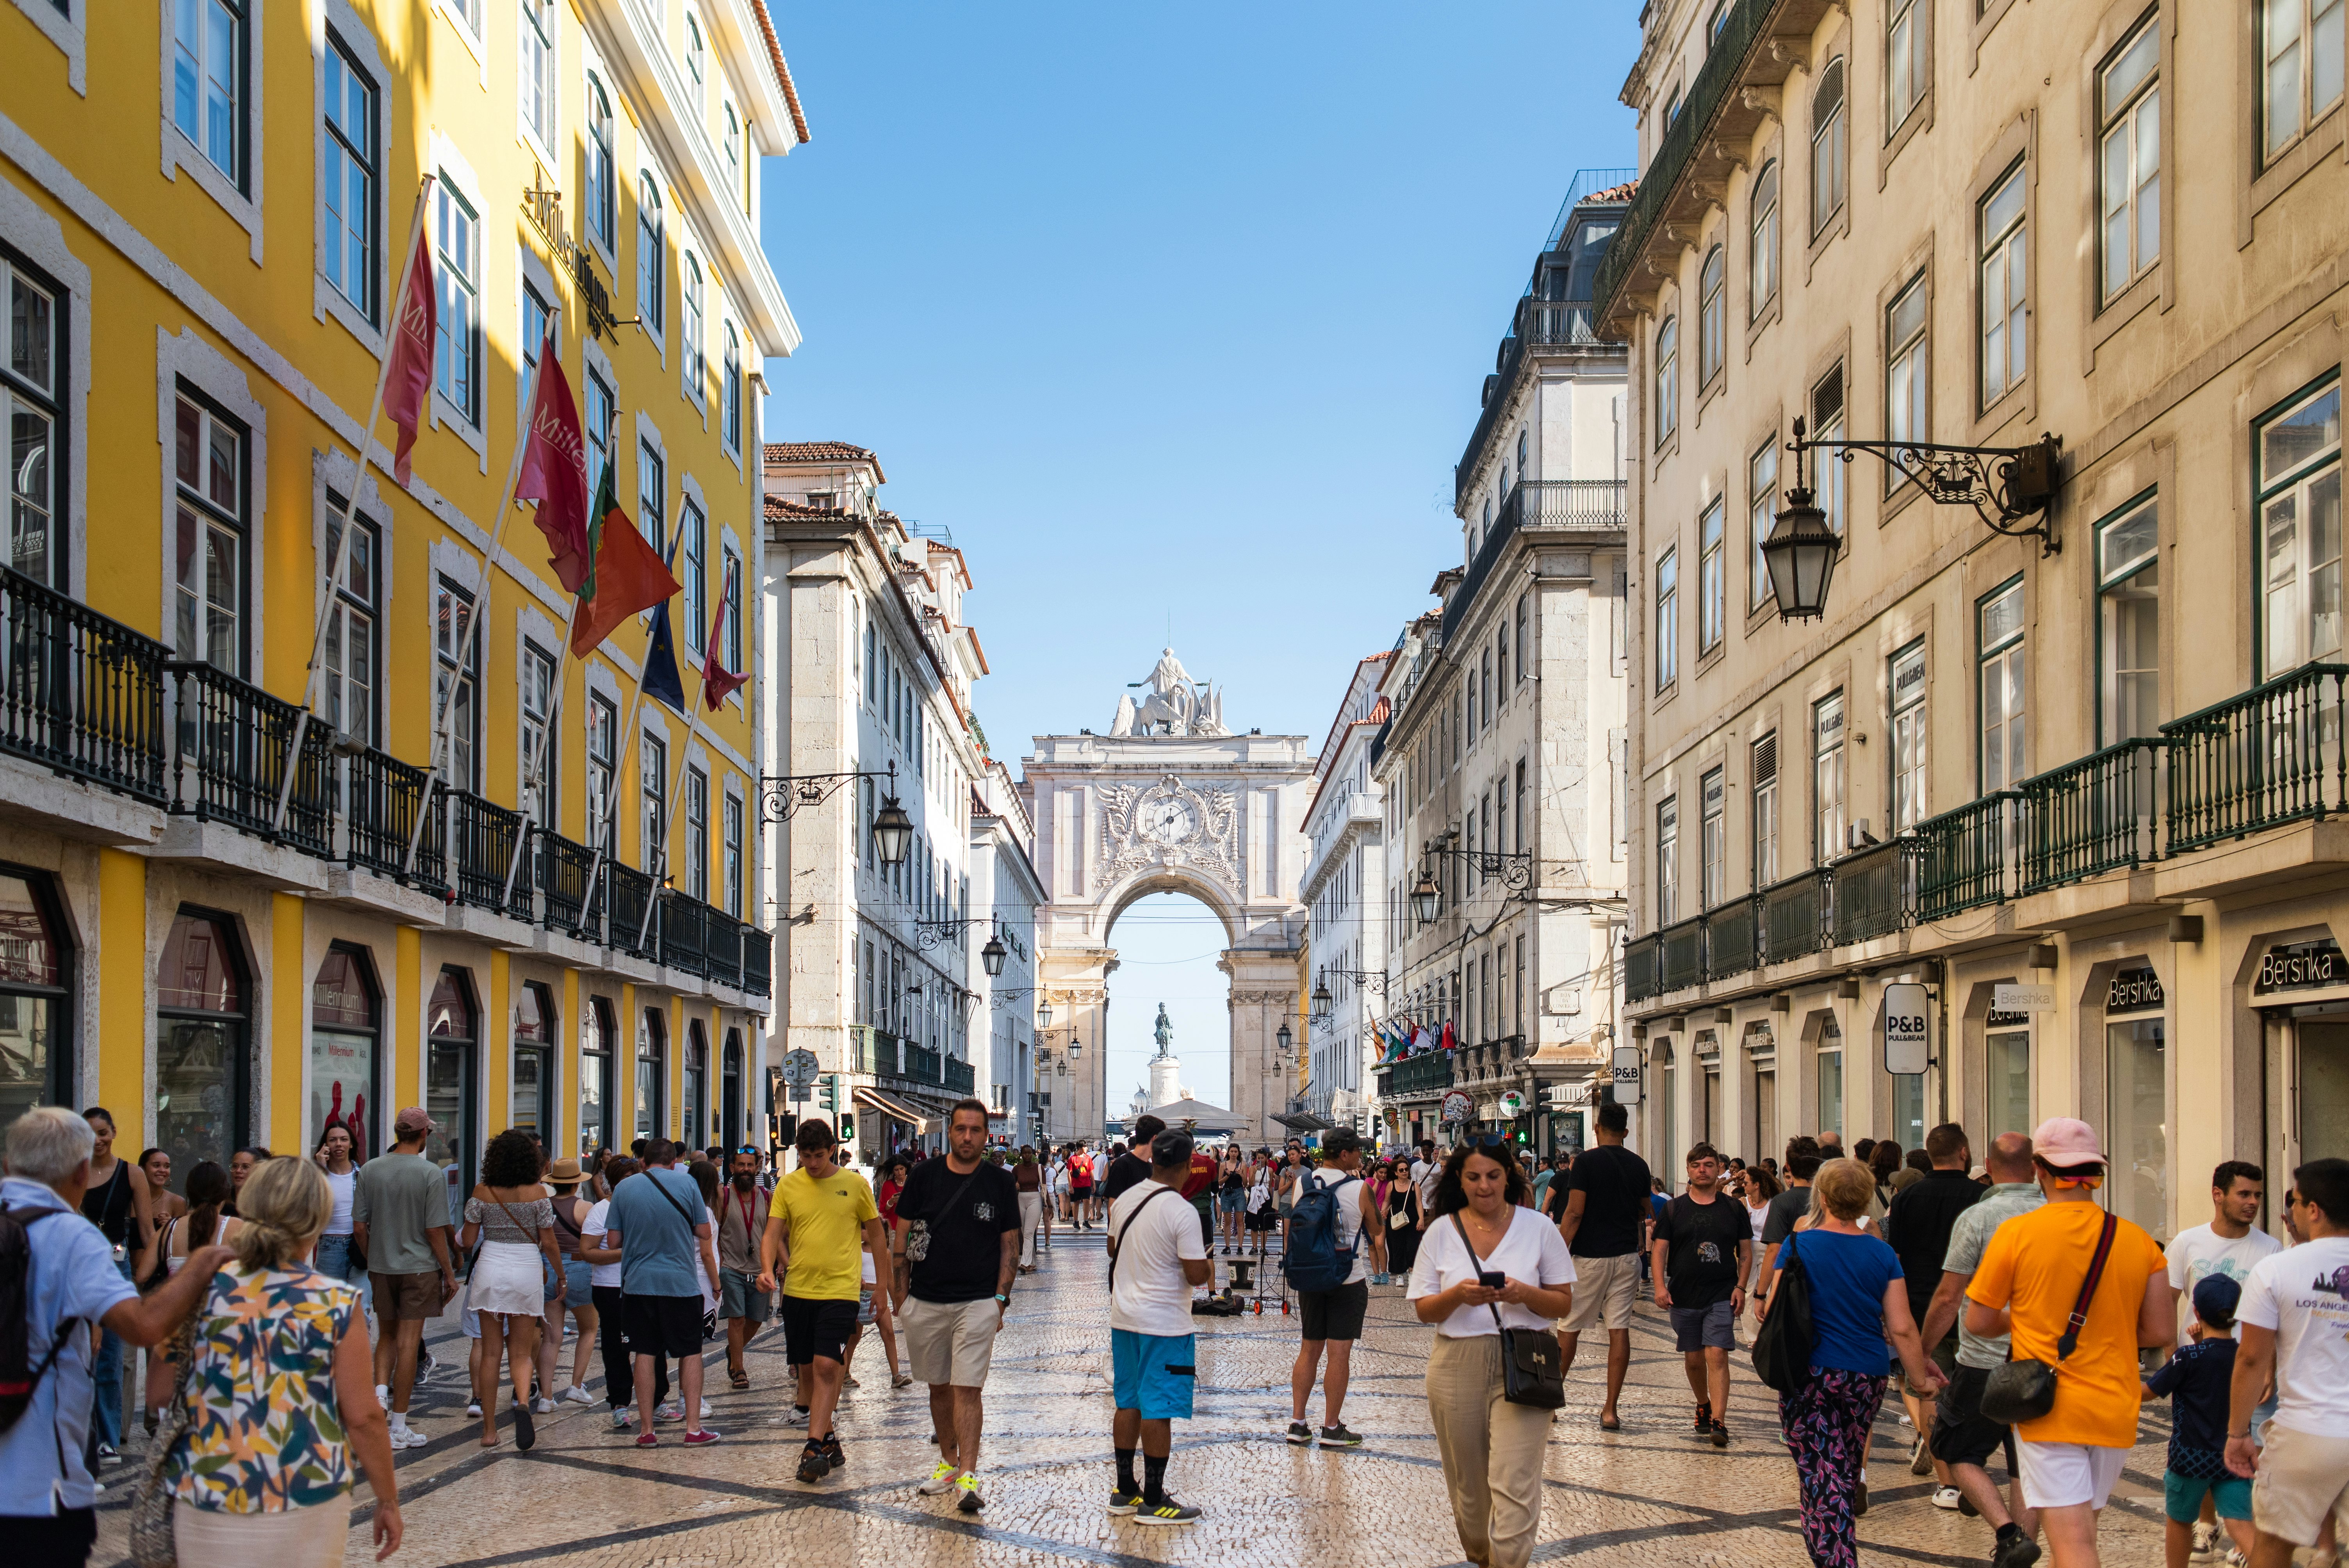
(2028, 1281)
(828, 1218)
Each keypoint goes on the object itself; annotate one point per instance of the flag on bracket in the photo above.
(625, 575)
(718, 683)
(554, 470)
(661, 678)
(408, 381)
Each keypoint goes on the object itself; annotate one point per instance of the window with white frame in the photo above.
(350, 115)
(2001, 689)
(600, 409)
(457, 360)
(696, 344)
(1668, 860)
(211, 71)
(697, 65)
(1830, 136)
(697, 833)
(1712, 314)
(538, 758)
(1668, 618)
(1525, 664)
(1763, 755)
(2005, 292)
(1905, 368)
(457, 665)
(213, 482)
(535, 316)
(652, 256)
(1908, 738)
(693, 552)
(2128, 624)
(1712, 576)
(601, 201)
(2299, 457)
(729, 412)
(1827, 777)
(733, 853)
(31, 403)
(1668, 378)
(1714, 828)
(729, 590)
(1908, 72)
(2129, 158)
(1827, 425)
(2300, 67)
(536, 74)
(1762, 243)
(351, 649)
(652, 798)
(652, 497)
(603, 771)
(1761, 516)
(736, 179)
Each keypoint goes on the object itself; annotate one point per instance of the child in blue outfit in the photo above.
(2197, 1381)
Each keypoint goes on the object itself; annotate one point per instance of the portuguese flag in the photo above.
(624, 574)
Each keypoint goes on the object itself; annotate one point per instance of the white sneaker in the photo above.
(796, 1418)
(1948, 1498)
(542, 1406)
(406, 1437)
(578, 1396)
(672, 1411)
(941, 1481)
(2205, 1538)
(473, 1409)
(622, 1418)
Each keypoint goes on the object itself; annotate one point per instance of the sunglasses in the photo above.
(1488, 1140)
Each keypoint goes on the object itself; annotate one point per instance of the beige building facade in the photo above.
(2106, 760)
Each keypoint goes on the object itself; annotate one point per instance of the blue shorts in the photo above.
(1154, 1373)
(2182, 1496)
(578, 1282)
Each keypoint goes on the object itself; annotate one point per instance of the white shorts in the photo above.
(2064, 1475)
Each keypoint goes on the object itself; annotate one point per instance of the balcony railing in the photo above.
(1536, 503)
(631, 891)
(1729, 943)
(921, 1064)
(235, 743)
(1683, 954)
(722, 948)
(2269, 757)
(872, 1050)
(1870, 898)
(960, 1077)
(1643, 968)
(79, 693)
(2094, 815)
(758, 961)
(381, 796)
(685, 933)
(1424, 1074)
(1794, 916)
(1554, 323)
(1960, 857)
(487, 836)
(562, 867)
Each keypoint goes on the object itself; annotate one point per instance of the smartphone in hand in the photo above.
(1492, 1279)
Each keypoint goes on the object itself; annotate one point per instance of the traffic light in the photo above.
(827, 1092)
(847, 1129)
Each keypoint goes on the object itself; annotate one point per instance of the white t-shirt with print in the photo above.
(2197, 1253)
(592, 1232)
(1150, 1294)
(2304, 1295)
(1532, 1253)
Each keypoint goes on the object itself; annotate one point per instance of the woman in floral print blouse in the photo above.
(281, 1396)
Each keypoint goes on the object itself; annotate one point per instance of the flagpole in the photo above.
(627, 729)
(343, 539)
(473, 637)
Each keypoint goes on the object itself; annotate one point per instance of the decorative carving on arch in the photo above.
(1169, 824)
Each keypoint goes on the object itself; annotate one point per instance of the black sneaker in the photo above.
(1703, 1417)
(2016, 1551)
(1859, 1501)
(1165, 1511)
(1122, 1502)
(1719, 1435)
(1338, 1437)
(832, 1453)
(814, 1463)
(1299, 1433)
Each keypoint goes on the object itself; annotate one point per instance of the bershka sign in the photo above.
(2012, 999)
(1908, 1029)
(2301, 966)
(2134, 991)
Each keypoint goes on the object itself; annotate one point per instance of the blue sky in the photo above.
(1173, 311)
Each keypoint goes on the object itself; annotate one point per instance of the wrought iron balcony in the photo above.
(1555, 323)
(80, 694)
(631, 891)
(381, 796)
(569, 904)
(2271, 756)
(960, 1077)
(1871, 894)
(1960, 857)
(1536, 503)
(722, 948)
(1794, 917)
(872, 1050)
(1729, 938)
(487, 837)
(684, 932)
(1683, 953)
(758, 961)
(1427, 1073)
(921, 1064)
(2094, 815)
(235, 747)
(1643, 968)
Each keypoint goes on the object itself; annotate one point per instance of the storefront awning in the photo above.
(1302, 1121)
(895, 1110)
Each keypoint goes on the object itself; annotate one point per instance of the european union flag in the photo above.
(661, 679)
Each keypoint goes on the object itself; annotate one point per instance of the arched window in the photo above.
(596, 1079)
(452, 1032)
(602, 200)
(1831, 136)
(697, 1084)
(729, 422)
(697, 354)
(34, 967)
(731, 1090)
(1712, 318)
(534, 1036)
(652, 256)
(734, 158)
(1668, 378)
(204, 1065)
(652, 1075)
(345, 1023)
(1762, 255)
(696, 62)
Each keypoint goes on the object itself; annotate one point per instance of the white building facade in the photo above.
(1004, 889)
(1344, 893)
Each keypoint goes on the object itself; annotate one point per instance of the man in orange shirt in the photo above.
(2027, 1284)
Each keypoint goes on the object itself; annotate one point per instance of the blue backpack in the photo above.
(1314, 1260)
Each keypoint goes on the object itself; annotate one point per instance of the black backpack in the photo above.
(1783, 1349)
(18, 1376)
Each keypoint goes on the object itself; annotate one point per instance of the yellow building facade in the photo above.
(227, 940)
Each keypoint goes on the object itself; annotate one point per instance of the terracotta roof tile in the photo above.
(818, 452)
(1612, 193)
(783, 71)
(777, 507)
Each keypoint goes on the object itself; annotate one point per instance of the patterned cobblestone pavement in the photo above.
(1648, 1494)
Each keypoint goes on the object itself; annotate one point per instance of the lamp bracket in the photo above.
(2004, 485)
(1514, 868)
(783, 796)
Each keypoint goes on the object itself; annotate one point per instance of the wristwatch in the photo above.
(1001, 1299)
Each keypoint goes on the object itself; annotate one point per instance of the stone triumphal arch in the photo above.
(1170, 800)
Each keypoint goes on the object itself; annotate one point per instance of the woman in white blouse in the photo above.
(1491, 1450)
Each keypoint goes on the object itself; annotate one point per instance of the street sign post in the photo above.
(799, 1076)
(1908, 1029)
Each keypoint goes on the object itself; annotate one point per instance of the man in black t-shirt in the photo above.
(1132, 1168)
(1606, 1204)
(956, 1251)
(1704, 1244)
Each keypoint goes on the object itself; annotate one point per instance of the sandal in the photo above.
(740, 1378)
(1610, 1423)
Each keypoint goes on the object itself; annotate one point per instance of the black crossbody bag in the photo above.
(1532, 1371)
(2025, 1390)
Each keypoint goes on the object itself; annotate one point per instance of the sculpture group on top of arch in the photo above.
(1174, 707)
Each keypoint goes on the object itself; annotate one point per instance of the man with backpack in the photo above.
(57, 1278)
(1327, 1231)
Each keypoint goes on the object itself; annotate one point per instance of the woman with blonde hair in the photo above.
(260, 1480)
(1857, 1301)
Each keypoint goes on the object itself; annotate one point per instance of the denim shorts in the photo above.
(578, 1282)
(333, 1258)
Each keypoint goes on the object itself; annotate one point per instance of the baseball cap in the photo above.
(2216, 1296)
(413, 1119)
(2064, 1142)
